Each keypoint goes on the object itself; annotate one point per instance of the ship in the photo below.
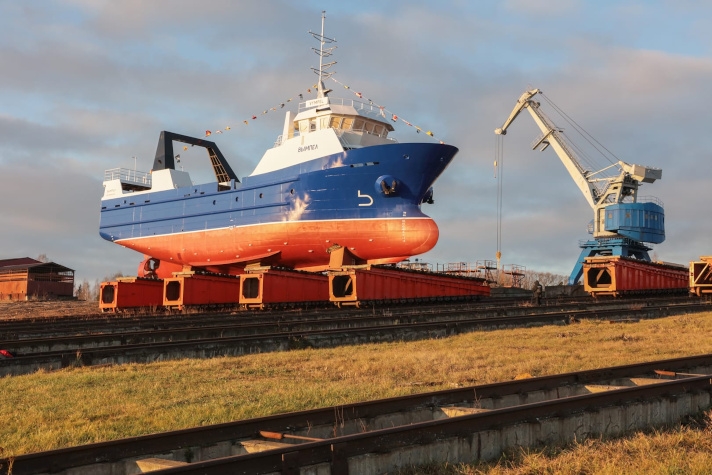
(333, 187)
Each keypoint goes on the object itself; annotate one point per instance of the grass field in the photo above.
(76, 406)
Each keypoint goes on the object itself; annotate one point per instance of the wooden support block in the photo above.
(149, 465)
(599, 388)
(646, 381)
(461, 411)
(253, 446)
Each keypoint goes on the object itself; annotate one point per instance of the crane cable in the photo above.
(609, 156)
(499, 167)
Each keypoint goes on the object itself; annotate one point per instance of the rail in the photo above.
(362, 107)
(235, 339)
(126, 175)
(651, 199)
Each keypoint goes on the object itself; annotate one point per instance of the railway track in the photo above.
(459, 425)
(124, 322)
(109, 322)
(200, 337)
(115, 323)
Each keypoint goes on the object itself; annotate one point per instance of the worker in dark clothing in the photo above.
(537, 290)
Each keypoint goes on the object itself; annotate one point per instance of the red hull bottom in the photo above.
(297, 244)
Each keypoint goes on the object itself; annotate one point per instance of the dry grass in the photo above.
(81, 405)
(680, 450)
(17, 310)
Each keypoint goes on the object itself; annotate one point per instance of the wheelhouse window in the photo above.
(336, 122)
(356, 124)
(348, 123)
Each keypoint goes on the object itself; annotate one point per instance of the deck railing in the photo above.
(127, 175)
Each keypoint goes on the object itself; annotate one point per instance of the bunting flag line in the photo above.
(281, 105)
(383, 110)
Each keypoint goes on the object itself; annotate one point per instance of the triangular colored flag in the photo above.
(227, 128)
(394, 118)
(245, 122)
(254, 117)
(359, 95)
(429, 133)
(218, 131)
(185, 147)
(301, 96)
(207, 133)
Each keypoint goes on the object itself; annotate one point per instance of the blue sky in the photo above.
(89, 84)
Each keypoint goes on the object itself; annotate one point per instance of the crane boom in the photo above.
(599, 192)
(521, 104)
(551, 136)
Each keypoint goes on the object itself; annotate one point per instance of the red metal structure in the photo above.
(267, 287)
(357, 284)
(25, 278)
(191, 289)
(701, 276)
(615, 275)
(127, 293)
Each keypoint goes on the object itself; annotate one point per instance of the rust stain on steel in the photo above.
(283, 435)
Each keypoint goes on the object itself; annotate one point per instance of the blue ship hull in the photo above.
(365, 199)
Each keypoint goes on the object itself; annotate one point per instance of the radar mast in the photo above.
(322, 52)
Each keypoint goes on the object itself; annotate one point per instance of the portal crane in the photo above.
(622, 223)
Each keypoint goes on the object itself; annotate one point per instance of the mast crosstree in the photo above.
(323, 53)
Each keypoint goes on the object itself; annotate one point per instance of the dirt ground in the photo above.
(19, 310)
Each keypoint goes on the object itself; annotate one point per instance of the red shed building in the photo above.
(25, 278)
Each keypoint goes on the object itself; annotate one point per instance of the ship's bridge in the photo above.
(324, 127)
(342, 115)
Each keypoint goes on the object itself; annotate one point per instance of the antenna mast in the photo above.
(323, 53)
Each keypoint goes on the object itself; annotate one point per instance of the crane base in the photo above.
(617, 247)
